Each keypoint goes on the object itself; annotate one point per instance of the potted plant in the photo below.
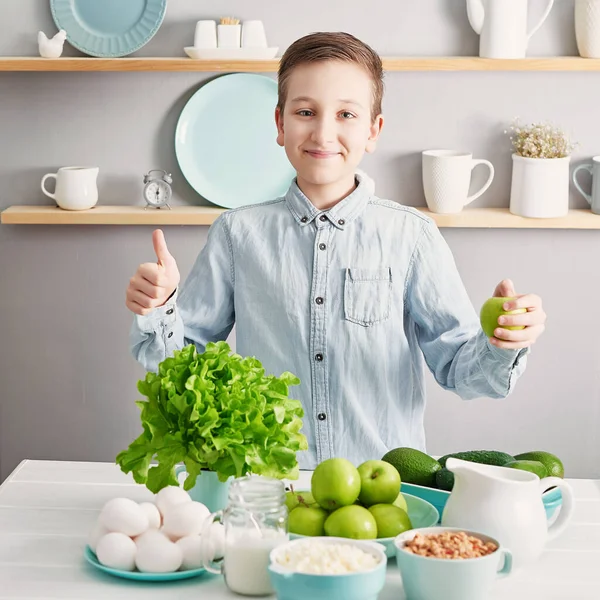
(540, 176)
(221, 416)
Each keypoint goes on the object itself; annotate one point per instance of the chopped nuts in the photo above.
(449, 544)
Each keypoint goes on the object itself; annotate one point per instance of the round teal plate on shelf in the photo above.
(108, 28)
(138, 575)
(226, 142)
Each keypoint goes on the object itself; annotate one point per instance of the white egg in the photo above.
(217, 539)
(123, 515)
(170, 496)
(214, 542)
(98, 530)
(185, 519)
(117, 550)
(150, 536)
(153, 514)
(191, 549)
(158, 556)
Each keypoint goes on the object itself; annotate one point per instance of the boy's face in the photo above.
(326, 125)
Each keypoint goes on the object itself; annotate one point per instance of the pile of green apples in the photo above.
(362, 503)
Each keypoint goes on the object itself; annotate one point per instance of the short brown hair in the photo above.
(322, 46)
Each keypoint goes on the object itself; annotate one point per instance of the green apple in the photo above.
(379, 483)
(400, 502)
(335, 483)
(307, 520)
(391, 520)
(302, 498)
(492, 309)
(355, 522)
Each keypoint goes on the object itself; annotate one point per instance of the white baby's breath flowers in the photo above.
(539, 140)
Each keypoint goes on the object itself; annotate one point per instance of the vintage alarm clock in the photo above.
(157, 188)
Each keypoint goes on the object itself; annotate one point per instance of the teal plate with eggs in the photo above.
(91, 557)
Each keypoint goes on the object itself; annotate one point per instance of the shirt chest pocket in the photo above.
(367, 295)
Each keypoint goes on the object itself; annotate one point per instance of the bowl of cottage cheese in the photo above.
(322, 568)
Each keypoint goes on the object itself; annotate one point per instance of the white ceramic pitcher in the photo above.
(505, 504)
(502, 25)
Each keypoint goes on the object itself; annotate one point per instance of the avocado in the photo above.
(444, 479)
(485, 457)
(414, 466)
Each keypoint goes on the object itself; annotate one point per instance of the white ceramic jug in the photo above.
(505, 504)
(502, 25)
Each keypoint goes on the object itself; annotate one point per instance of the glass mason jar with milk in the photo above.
(255, 522)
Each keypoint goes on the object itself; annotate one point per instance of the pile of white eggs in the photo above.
(155, 537)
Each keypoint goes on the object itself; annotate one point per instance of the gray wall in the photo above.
(67, 381)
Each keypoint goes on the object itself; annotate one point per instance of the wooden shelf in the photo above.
(450, 63)
(481, 218)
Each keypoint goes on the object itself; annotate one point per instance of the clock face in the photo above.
(157, 193)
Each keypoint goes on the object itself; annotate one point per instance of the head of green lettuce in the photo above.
(217, 411)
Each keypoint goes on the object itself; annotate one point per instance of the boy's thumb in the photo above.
(507, 289)
(160, 247)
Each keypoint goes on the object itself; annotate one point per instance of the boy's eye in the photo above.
(347, 115)
(305, 113)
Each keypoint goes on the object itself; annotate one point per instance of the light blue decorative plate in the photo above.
(225, 142)
(138, 575)
(108, 28)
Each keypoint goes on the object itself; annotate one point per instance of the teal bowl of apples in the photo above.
(420, 512)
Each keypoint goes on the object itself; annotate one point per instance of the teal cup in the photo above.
(426, 578)
(208, 489)
(593, 169)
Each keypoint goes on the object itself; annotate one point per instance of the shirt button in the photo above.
(323, 218)
(319, 300)
(321, 416)
(170, 334)
(170, 311)
(304, 219)
(341, 222)
(318, 357)
(322, 246)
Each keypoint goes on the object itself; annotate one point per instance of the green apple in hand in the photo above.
(354, 522)
(391, 520)
(335, 483)
(307, 520)
(492, 309)
(379, 483)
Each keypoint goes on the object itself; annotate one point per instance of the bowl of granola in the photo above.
(450, 563)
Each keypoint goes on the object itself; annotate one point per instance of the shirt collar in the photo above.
(344, 212)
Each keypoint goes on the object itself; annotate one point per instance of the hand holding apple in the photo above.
(512, 321)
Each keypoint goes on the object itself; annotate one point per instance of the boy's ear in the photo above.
(374, 132)
(279, 123)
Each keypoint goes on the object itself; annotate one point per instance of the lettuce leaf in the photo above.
(217, 411)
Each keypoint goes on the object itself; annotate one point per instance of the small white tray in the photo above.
(230, 53)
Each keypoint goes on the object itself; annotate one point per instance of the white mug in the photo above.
(447, 177)
(76, 187)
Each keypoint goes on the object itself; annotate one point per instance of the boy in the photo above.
(352, 293)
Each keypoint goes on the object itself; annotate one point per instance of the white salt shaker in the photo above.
(253, 34)
(205, 35)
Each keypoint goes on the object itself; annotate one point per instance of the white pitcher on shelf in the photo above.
(502, 25)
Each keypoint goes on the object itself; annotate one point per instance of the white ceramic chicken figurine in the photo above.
(51, 48)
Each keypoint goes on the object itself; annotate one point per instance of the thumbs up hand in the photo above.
(153, 283)
(531, 323)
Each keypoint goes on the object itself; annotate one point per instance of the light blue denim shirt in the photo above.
(355, 301)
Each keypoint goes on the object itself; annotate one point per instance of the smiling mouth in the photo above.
(321, 154)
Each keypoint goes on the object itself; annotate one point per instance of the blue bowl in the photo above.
(552, 498)
(364, 585)
(420, 512)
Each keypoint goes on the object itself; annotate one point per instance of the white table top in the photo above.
(47, 509)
